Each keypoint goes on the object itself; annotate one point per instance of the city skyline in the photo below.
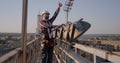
(103, 15)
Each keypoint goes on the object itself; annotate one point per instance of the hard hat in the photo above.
(45, 12)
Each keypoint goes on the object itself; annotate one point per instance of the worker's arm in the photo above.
(56, 13)
(45, 25)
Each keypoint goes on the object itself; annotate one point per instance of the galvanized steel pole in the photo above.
(24, 29)
(67, 16)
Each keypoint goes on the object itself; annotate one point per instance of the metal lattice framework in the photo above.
(68, 7)
(31, 51)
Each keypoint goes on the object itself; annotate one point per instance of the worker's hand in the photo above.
(43, 37)
(60, 5)
(61, 25)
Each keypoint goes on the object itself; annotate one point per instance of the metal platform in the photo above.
(63, 53)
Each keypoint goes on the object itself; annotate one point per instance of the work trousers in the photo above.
(47, 54)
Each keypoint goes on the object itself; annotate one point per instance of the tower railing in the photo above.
(65, 52)
(32, 54)
(79, 53)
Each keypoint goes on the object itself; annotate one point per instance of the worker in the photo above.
(45, 29)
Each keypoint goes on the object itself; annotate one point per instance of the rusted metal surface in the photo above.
(32, 54)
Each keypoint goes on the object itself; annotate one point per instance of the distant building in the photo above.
(3, 38)
(8, 37)
(15, 38)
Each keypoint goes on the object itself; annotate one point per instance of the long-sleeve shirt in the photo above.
(46, 26)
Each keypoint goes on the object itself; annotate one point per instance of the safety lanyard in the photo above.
(49, 29)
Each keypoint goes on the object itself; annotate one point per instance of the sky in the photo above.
(103, 15)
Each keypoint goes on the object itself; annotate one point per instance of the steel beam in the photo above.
(111, 56)
(24, 28)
